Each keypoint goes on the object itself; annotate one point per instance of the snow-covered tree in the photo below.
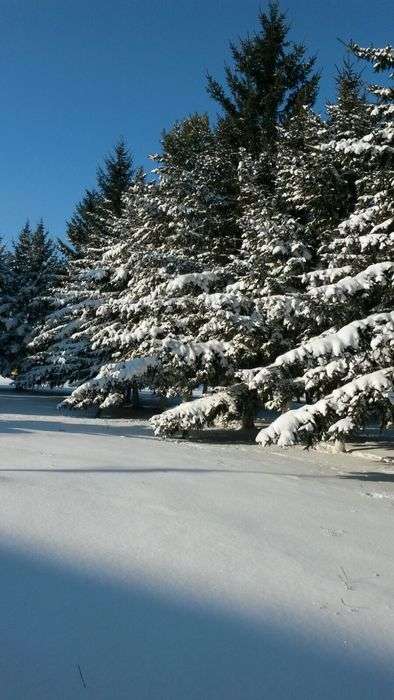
(181, 236)
(6, 304)
(34, 270)
(93, 213)
(365, 243)
(60, 351)
(366, 236)
(82, 225)
(346, 370)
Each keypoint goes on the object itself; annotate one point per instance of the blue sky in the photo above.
(75, 75)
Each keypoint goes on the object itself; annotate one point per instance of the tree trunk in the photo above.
(162, 402)
(135, 396)
(247, 421)
(339, 446)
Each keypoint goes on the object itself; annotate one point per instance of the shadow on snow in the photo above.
(71, 633)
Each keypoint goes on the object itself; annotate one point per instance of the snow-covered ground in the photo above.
(136, 568)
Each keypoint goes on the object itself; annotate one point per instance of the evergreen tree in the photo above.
(61, 351)
(22, 252)
(6, 296)
(115, 177)
(182, 235)
(83, 223)
(271, 78)
(366, 236)
(348, 116)
(35, 267)
(92, 214)
(347, 370)
(187, 140)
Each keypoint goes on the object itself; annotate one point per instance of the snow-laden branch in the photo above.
(380, 273)
(112, 375)
(232, 403)
(170, 353)
(316, 278)
(321, 302)
(201, 280)
(345, 402)
(326, 345)
(381, 58)
(194, 414)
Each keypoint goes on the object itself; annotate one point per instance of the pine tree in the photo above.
(6, 298)
(61, 352)
(35, 266)
(182, 237)
(366, 236)
(271, 78)
(92, 214)
(348, 116)
(82, 225)
(347, 370)
(116, 177)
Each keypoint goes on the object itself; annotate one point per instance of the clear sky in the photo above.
(75, 75)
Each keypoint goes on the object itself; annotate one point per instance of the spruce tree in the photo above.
(35, 267)
(92, 214)
(345, 300)
(348, 371)
(366, 236)
(81, 226)
(271, 78)
(115, 177)
(62, 351)
(6, 299)
(180, 236)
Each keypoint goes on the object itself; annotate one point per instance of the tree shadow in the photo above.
(369, 476)
(58, 426)
(71, 632)
(377, 445)
(127, 470)
(18, 403)
(219, 436)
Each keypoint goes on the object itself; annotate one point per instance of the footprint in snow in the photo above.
(332, 532)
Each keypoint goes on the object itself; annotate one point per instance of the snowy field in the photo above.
(136, 568)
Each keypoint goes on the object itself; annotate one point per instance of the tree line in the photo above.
(256, 265)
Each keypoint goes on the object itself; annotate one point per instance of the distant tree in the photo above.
(6, 293)
(90, 220)
(34, 266)
(271, 78)
(348, 116)
(22, 252)
(62, 351)
(44, 269)
(115, 177)
(84, 220)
